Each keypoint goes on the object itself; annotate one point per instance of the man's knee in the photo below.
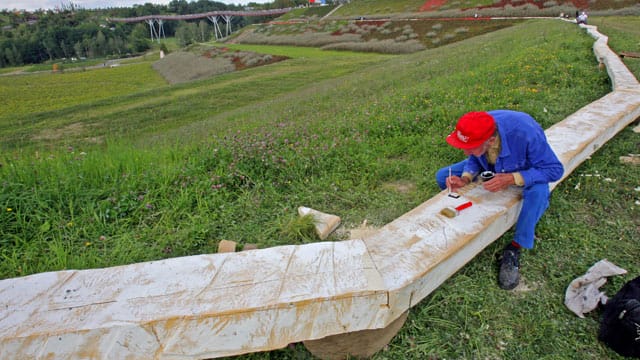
(537, 192)
(536, 197)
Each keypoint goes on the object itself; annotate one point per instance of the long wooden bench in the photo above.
(216, 305)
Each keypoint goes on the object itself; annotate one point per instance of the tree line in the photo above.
(70, 31)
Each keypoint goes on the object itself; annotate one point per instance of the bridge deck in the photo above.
(201, 15)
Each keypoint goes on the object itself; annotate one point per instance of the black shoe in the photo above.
(509, 265)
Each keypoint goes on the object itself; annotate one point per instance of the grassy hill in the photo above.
(460, 8)
(114, 165)
(397, 27)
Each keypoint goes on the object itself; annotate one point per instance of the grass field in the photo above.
(439, 8)
(623, 33)
(150, 171)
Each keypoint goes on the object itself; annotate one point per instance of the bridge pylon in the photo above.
(157, 34)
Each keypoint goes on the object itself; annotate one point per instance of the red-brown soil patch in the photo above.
(432, 5)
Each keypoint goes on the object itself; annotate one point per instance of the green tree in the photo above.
(17, 55)
(163, 48)
(66, 49)
(49, 43)
(101, 44)
(89, 46)
(186, 33)
(180, 7)
(78, 49)
(9, 55)
(203, 31)
(140, 38)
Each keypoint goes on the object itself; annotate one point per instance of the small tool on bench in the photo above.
(453, 212)
(451, 194)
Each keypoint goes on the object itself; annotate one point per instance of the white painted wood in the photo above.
(209, 306)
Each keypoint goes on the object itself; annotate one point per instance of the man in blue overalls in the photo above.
(513, 146)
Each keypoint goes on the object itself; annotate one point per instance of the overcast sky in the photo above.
(93, 4)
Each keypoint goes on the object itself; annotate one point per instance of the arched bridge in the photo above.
(213, 16)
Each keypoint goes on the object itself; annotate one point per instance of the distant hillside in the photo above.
(431, 8)
(391, 27)
(200, 62)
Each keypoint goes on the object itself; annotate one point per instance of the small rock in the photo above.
(325, 223)
(226, 246)
(249, 247)
(632, 159)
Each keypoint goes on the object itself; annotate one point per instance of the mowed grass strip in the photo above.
(372, 7)
(44, 91)
(157, 108)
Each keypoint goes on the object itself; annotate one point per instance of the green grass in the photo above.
(624, 35)
(7, 70)
(306, 12)
(373, 7)
(133, 100)
(63, 65)
(29, 94)
(448, 8)
(178, 168)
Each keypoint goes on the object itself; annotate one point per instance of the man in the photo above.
(513, 146)
(582, 18)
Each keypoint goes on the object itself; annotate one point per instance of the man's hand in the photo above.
(499, 182)
(456, 182)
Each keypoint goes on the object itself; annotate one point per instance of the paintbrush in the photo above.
(453, 212)
(451, 194)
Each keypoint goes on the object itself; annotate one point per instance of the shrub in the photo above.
(299, 229)
(306, 39)
(387, 46)
(448, 36)
(179, 67)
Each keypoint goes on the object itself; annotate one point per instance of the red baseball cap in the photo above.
(472, 130)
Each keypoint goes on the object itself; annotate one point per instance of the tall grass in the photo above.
(182, 167)
(382, 36)
(233, 171)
